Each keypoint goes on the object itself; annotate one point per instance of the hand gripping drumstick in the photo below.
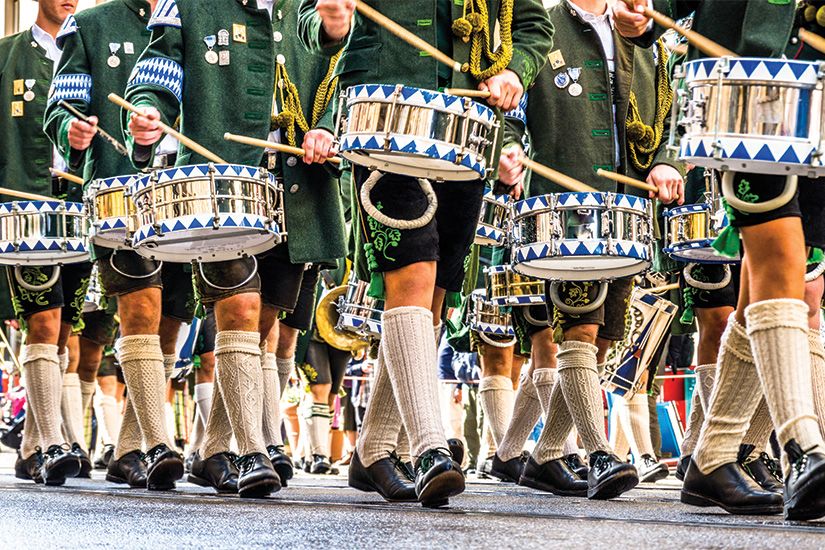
(702, 43)
(66, 176)
(193, 145)
(408, 37)
(557, 177)
(272, 145)
(627, 180)
(98, 130)
(813, 40)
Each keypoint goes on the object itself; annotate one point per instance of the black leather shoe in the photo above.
(575, 463)
(29, 468)
(651, 470)
(609, 476)
(380, 477)
(404, 468)
(59, 463)
(437, 478)
(281, 462)
(163, 468)
(85, 463)
(218, 471)
(319, 465)
(508, 470)
(256, 476)
(681, 468)
(729, 488)
(554, 476)
(129, 468)
(456, 449)
(485, 471)
(102, 461)
(766, 472)
(804, 484)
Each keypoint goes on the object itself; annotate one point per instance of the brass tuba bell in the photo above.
(326, 319)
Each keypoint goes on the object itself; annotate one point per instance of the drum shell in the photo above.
(359, 313)
(493, 220)
(43, 233)
(690, 231)
(112, 212)
(506, 287)
(490, 319)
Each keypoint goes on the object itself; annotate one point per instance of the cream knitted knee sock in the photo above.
(705, 379)
(169, 361)
(72, 409)
(618, 435)
(43, 390)
(382, 421)
(402, 447)
(317, 420)
(203, 402)
(636, 422)
(761, 426)
(579, 379)
(87, 393)
(496, 396)
(694, 425)
(526, 412)
(285, 367)
(110, 418)
(818, 374)
(129, 437)
(31, 434)
(557, 425)
(217, 437)
(271, 400)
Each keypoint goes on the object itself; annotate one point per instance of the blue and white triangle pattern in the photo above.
(71, 87)
(42, 207)
(686, 209)
(776, 71)
(520, 112)
(158, 71)
(523, 300)
(68, 27)
(533, 204)
(778, 152)
(490, 233)
(495, 330)
(502, 200)
(44, 244)
(593, 247)
(165, 15)
(202, 221)
(422, 98)
(112, 224)
(116, 182)
(222, 171)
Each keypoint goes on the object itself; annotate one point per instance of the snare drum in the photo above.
(493, 220)
(753, 115)
(207, 212)
(582, 236)
(645, 336)
(111, 211)
(416, 132)
(43, 233)
(505, 287)
(358, 313)
(490, 322)
(690, 231)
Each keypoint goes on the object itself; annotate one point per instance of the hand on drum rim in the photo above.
(505, 90)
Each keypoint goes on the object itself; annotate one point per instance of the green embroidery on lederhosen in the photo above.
(32, 275)
(382, 237)
(573, 293)
(743, 191)
(76, 305)
(308, 372)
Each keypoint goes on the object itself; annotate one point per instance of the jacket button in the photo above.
(294, 188)
(280, 59)
(277, 36)
(291, 162)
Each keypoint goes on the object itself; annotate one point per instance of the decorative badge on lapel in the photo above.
(239, 33)
(114, 60)
(223, 37)
(18, 87)
(16, 109)
(29, 95)
(575, 88)
(556, 59)
(211, 55)
(128, 48)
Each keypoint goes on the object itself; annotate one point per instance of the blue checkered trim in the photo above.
(68, 27)
(520, 112)
(159, 71)
(165, 15)
(69, 87)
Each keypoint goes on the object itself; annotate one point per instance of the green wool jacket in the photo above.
(575, 135)
(173, 75)
(84, 78)
(25, 152)
(375, 56)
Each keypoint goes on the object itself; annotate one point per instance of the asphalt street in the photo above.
(321, 511)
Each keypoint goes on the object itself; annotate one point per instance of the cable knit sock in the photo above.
(72, 409)
(129, 437)
(318, 423)
(761, 426)
(818, 374)
(635, 420)
(217, 437)
(239, 375)
(557, 425)
(271, 400)
(110, 419)
(778, 330)
(402, 447)
(169, 361)
(732, 401)
(544, 380)
(31, 434)
(203, 402)
(285, 367)
(526, 413)
(143, 368)
(705, 379)
(87, 393)
(409, 351)
(579, 380)
(382, 421)
(44, 390)
(618, 436)
(496, 396)
(694, 425)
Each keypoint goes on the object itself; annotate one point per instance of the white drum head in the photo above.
(577, 268)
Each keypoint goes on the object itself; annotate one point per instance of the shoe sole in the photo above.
(502, 476)
(192, 478)
(260, 489)
(320, 471)
(164, 474)
(284, 472)
(58, 474)
(437, 492)
(534, 483)
(614, 487)
(658, 475)
(758, 510)
(812, 494)
(367, 488)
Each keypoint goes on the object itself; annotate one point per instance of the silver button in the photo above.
(280, 59)
(277, 36)
(294, 188)
(291, 161)
(794, 40)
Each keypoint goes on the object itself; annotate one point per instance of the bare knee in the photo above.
(108, 385)
(139, 312)
(582, 333)
(495, 361)
(268, 326)
(43, 327)
(543, 350)
(239, 312)
(320, 392)
(412, 285)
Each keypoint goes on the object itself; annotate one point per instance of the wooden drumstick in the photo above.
(663, 288)
(627, 180)
(193, 145)
(467, 92)
(702, 43)
(408, 37)
(272, 145)
(26, 196)
(557, 177)
(66, 176)
(813, 40)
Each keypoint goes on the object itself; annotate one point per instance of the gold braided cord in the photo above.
(642, 140)
(325, 91)
(475, 27)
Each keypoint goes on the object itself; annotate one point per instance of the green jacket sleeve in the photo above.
(532, 40)
(310, 32)
(156, 81)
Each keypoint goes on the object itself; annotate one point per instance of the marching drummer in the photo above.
(609, 103)
(48, 314)
(101, 47)
(768, 337)
(216, 73)
(417, 267)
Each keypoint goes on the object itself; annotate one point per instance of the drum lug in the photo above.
(607, 223)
